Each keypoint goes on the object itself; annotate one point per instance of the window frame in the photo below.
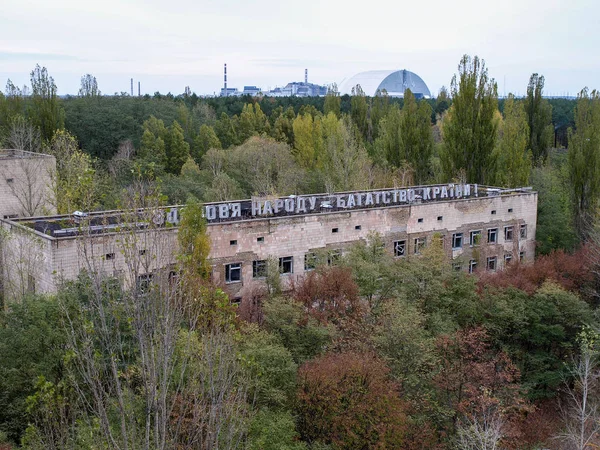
(308, 258)
(523, 231)
(420, 243)
(259, 268)
(455, 237)
(399, 244)
(509, 230)
(286, 260)
(472, 265)
(492, 232)
(228, 271)
(493, 261)
(472, 234)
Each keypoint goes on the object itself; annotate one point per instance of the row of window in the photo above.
(492, 236)
(233, 272)
(491, 262)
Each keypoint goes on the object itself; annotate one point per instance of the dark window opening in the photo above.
(357, 227)
(420, 220)
(508, 233)
(523, 232)
(457, 240)
(286, 264)
(491, 263)
(507, 259)
(440, 218)
(334, 230)
(492, 235)
(260, 239)
(399, 248)
(419, 244)
(109, 256)
(233, 242)
(233, 273)
(475, 238)
(142, 252)
(472, 265)
(259, 268)
(310, 261)
(510, 210)
(493, 211)
(334, 257)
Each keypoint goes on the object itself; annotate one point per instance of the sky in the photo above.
(168, 45)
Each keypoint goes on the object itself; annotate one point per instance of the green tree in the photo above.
(470, 129)
(178, 150)
(539, 118)
(387, 144)
(205, 140)
(226, 131)
(416, 136)
(308, 140)
(31, 345)
(333, 102)
(89, 86)
(584, 160)
(359, 111)
(46, 113)
(74, 183)
(193, 240)
(514, 158)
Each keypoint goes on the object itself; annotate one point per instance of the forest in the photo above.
(365, 352)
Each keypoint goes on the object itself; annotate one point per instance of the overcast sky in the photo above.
(168, 45)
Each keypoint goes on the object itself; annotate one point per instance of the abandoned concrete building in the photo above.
(25, 184)
(482, 228)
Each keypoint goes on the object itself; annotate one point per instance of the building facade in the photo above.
(482, 228)
(25, 184)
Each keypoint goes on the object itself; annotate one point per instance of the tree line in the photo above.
(366, 351)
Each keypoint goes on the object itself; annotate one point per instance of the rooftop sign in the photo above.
(312, 204)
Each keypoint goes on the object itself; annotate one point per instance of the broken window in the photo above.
(259, 268)
(233, 273)
(472, 265)
(310, 261)
(523, 232)
(492, 235)
(286, 264)
(419, 244)
(109, 256)
(508, 233)
(334, 257)
(399, 248)
(457, 266)
(475, 238)
(457, 240)
(507, 259)
(491, 263)
(143, 283)
(521, 256)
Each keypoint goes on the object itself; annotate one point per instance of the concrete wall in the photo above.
(25, 184)
(130, 255)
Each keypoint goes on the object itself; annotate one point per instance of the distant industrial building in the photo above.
(393, 82)
(292, 89)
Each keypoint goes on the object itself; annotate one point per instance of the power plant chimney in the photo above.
(225, 79)
(132, 87)
(139, 90)
(306, 76)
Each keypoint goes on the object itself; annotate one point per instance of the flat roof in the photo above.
(11, 153)
(165, 217)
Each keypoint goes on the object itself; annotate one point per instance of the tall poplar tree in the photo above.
(178, 151)
(514, 158)
(416, 136)
(470, 129)
(584, 160)
(46, 113)
(539, 118)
